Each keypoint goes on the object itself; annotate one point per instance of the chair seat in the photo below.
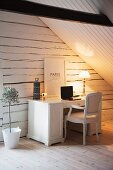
(78, 117)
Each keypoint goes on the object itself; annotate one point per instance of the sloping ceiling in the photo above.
(93, 43)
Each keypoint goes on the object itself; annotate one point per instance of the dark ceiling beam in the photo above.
(31, 8)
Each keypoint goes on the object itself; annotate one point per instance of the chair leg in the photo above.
(97, 136)
(65, 130)
(84, 134)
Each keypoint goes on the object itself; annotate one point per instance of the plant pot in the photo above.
(11, 140)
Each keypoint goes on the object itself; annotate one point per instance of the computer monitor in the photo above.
(66, 92)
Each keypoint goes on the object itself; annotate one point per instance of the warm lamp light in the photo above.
(84, 75)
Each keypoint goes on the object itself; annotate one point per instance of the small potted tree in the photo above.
(11, 135)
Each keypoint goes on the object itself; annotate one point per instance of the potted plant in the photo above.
(11, 135)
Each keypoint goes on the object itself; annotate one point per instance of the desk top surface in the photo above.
(65, 103)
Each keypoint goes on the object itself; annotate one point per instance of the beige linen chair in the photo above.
(89, 114)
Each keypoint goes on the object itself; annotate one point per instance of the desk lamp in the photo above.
(84, 75)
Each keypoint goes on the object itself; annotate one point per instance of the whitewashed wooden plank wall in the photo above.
(25, 41)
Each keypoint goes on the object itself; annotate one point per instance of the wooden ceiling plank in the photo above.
(42, 10)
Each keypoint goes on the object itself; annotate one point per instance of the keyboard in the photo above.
(76, 97)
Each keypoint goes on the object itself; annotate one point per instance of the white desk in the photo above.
(45, 120)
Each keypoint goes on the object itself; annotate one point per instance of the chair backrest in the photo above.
(93, 103)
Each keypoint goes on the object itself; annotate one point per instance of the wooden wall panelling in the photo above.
(25, 41)
(1, 122)
(1, 91)
(1, 136)
(17, 116)
(20, 69)
(108, 96)
(18, 42)
(75, 77)
(22, 64)
(25, 50)
(20, 18)
(15, 107)
(30, 71)
(1, 104)
(25, 89)
(107, 114)
(95, 83)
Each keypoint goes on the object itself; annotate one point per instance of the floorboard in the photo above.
(70, 155)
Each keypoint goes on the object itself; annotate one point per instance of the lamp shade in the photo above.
(84, 74)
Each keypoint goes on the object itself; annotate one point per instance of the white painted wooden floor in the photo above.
(70, 155)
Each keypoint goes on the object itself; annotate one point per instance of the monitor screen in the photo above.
(66, 92)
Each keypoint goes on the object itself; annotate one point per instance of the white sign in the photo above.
(54, 76)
